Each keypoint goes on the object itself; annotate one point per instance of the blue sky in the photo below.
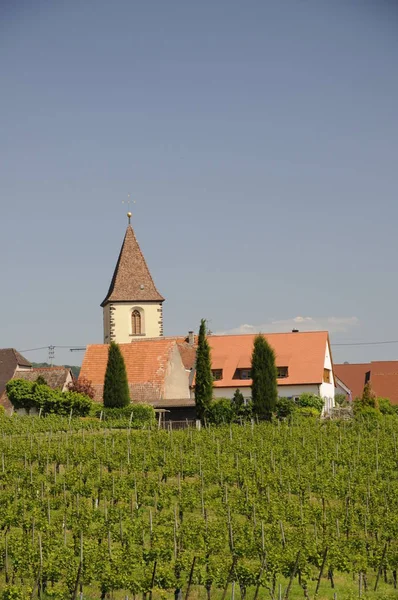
(259, 140)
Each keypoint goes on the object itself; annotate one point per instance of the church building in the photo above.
(132, 307)
(161, 370)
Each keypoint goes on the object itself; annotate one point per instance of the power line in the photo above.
(34, 349)
(366, 343)
(51, 346)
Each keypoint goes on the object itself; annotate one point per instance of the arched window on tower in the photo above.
(136, 327)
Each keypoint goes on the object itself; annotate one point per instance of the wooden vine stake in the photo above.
(153, 579)
(190, 578)
(380, 566)
(318, 583)
(292, 576)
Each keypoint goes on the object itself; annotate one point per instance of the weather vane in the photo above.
(128, 202)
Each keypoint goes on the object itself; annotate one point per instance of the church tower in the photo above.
(133, 306)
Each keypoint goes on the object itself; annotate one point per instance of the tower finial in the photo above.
(128, 202)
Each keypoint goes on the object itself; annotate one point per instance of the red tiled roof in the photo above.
(383, 378)
(146, 363)
(353, 375)
(302, 352)
(132, 281)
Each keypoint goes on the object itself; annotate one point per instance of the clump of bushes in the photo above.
(306, 405)
(139, 414)
(33, 395)
(224, 410)
(369, 406)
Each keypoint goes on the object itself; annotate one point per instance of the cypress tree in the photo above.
(264, 374)
(116, 387)
(203, 374)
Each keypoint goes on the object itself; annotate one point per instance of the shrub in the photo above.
(12, 592)
(310, 401)
(238, 400)
(143, 414)
(285, 407)
(221, 411)
(367, 413)
(308, 411)
(28, 395)
(368, 396)
(385, 406)
(340, 399)
(41, 381)
(82, 386)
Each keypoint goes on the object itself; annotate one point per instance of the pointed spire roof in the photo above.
(132, 281)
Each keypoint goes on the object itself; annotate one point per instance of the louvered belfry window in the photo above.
(136, 322)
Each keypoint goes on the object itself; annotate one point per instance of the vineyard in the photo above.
(271, 511)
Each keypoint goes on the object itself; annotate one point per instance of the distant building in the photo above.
(133, 307)
(157, 373)
(14, 366)
(11, 363)
(382, 376)
(303, 360)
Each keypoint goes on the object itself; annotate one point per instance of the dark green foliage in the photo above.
(238, 400)
(221, 411)
(385, 406)
(143, 414)
(310, 401)
(41, 381)
(264, 374)
(340, 399)
(203, 374)
(116, 388)
(224, 410)
(368, 397)
(285, 408)
(28, 395)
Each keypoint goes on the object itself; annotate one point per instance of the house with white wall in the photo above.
(303, 359)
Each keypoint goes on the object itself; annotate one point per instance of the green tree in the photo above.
(238, 400)
(263, 373)
(116, 388)
(203, 374)
(368, 396)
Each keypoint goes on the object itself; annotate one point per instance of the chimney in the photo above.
(191, 338)
(295, 330)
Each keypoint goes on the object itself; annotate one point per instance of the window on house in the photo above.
(217, 374)
(282, 372)
(244, 374)
(136, 322)
(326, 376)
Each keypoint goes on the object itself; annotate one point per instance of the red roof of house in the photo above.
(383, 378)
(132, 281)
(302, 352)
(146, 362)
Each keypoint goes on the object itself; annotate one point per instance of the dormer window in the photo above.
(243, 374)
(282, 372)
(217, 374)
